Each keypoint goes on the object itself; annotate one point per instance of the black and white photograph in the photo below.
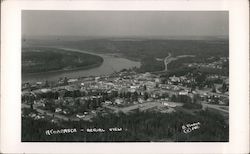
(125, 76)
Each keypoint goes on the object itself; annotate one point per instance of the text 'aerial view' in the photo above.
(125, 76)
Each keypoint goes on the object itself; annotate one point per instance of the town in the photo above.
(127, 91)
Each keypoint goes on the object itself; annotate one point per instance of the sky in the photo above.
(124, 23)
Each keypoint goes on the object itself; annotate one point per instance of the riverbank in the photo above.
(68, 70)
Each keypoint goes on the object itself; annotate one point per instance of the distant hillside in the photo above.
(37, 60)
(147, 50)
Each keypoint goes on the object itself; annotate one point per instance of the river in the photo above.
(110, 65)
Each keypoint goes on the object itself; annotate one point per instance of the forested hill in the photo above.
(36, 60)
(154, 48)
(147, 50)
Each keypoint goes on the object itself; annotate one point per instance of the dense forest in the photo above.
(136, 127)
(155, 48)
(150, 64)
(36, 60)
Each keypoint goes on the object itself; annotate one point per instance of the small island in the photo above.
(44, 59)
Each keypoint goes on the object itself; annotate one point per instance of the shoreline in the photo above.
(67, 70)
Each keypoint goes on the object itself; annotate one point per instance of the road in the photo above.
(169, 59)
(166, 61)
(211, 93)
(216, 107)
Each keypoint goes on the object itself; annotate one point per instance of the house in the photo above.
(39, 83)
(157, 80)
(168, 104)
(132, 90)
(72, 80)
(140, 100)
(174, 79)
(97, 78)
(57, 110)
(183, 93)
(45, 90)
(80, 115)
(108, 102)
(119, 101)
(39, 117)
(32, 115)
(66, 111)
